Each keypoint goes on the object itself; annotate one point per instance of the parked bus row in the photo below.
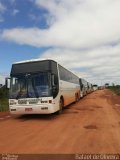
(44, 87)
(85, 87)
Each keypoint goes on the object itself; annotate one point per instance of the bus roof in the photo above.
(41, 59)
(32, 60)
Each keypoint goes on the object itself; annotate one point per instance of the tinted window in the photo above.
(68, 76)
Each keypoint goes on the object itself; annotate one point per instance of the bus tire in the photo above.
(81, 94)
(61, 105)
(76, 98)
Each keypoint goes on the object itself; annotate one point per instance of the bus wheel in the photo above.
(81, 95)
(61, 105)
(76, 98)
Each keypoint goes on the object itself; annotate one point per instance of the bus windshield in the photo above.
(30, 86)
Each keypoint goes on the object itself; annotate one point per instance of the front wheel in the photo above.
(61, 105)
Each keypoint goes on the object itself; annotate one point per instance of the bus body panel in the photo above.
(83, 87)
(69, 91)
(90, 89)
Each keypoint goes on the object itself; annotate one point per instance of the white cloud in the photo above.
(2, 78)
(81, 34)
(96, 65)
(15, 11)
(76, 25)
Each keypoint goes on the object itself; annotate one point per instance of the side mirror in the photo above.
(7, 83)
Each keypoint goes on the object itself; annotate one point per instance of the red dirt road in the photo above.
(90, 126)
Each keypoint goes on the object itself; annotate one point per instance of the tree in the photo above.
(3, 92)
(106, 84)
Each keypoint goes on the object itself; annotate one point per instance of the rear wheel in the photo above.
(76, 98)
(81, 94)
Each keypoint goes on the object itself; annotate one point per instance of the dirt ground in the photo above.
(90, 126)
(3, 114)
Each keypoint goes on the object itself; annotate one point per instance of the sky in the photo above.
(82, 35)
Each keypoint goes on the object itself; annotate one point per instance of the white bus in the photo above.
(90, 87)
(83, 87)
(41, 87)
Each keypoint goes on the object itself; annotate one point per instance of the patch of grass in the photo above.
(4, 105)
(4, 99)
(115, 89)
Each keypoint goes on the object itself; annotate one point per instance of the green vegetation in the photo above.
(115, 89)
(3, 99)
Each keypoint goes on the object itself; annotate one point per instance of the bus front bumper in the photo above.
(30, 109)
